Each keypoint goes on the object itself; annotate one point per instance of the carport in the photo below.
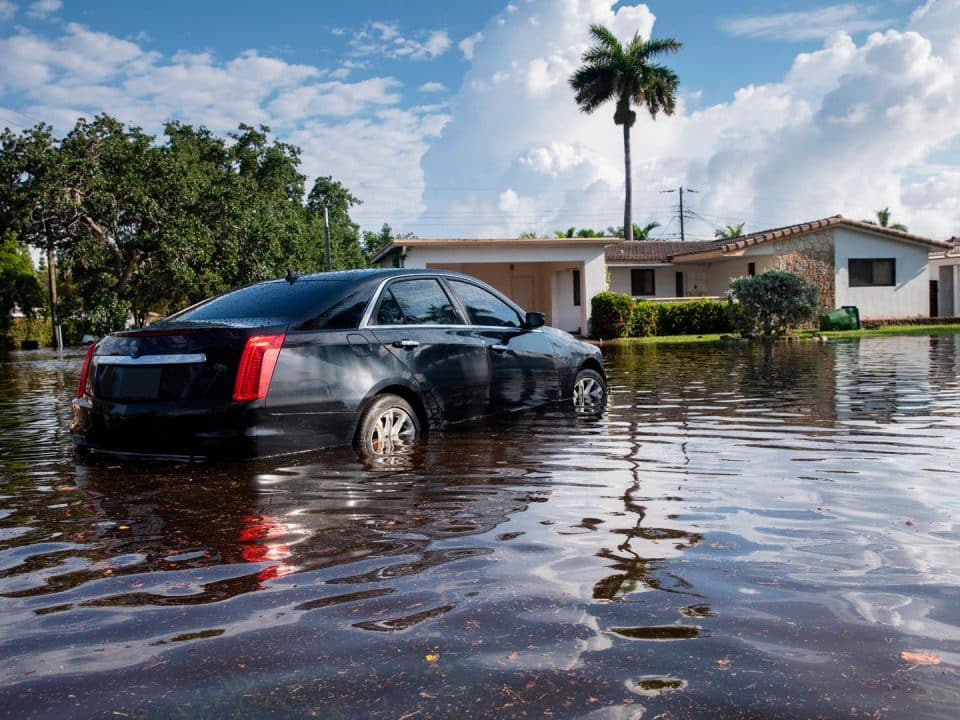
(556, 276)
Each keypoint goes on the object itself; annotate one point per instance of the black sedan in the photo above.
(369, 357)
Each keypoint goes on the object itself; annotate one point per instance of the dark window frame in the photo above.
(387, 294)
(752, 269)
(638, 281)
(863, 272)
(577, 300)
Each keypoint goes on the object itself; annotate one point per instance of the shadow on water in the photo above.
(755, 531)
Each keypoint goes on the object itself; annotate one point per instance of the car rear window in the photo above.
(316, 304)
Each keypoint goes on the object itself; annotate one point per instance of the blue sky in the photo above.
(454, 119)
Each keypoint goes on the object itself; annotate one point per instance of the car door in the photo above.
(415, 319)
(523, 371)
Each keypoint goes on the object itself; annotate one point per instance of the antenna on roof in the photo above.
(292, 277)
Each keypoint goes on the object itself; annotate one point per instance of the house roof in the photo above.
(718, 248)
(489, 242)
(635, 252)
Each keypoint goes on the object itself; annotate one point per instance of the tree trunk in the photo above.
(628, 185)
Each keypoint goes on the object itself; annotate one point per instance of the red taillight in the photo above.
(256, 366)
(85, 370)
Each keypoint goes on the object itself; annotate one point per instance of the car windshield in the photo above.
(317, 303)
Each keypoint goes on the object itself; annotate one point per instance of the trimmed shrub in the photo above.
(694, 317)
(646, 318)
(612, 315)
(27, 329)
(771, 302)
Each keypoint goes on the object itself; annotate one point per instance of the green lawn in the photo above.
(802, 334)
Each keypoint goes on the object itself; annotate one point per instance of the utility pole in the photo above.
(689, 190)
(326, 234)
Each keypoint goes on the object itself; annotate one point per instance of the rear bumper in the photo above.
(164, 431)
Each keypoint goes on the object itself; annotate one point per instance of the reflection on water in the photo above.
(754, 531)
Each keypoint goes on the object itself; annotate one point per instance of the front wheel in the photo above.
(388, 426)
(589, 391)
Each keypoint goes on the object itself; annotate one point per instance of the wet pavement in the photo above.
(747, 532)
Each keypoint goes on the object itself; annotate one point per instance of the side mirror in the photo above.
(534, 320)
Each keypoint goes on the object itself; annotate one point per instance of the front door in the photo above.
(523, 372)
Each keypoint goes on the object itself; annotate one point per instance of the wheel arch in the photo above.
(404, 391)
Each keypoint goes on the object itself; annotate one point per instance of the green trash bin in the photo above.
(844, 318)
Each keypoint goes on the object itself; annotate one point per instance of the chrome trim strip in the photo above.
(150, 359)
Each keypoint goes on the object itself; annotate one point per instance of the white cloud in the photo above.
(7, 10)
(432, 87)
(354, 131)
(812, 24)
(849, 128)
(468, 44)
(379, 38)
(43, 9)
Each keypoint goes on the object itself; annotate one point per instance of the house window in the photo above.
(751, 269)
(576, 288)
(642, 282)
(872, 273)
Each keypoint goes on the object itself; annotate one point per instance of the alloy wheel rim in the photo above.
(587, 393)
(393, 429)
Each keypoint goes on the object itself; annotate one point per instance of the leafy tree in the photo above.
(628, 75)
(771, 302)
(728, 232)
(19, 286)
(345, 250)
(883, 220)
(529, 234)
(639, 233)
(581, 233)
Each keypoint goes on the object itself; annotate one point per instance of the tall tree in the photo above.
(630, 76)
(345, 247)
(728, 232)
(19, 286)
(639, 233)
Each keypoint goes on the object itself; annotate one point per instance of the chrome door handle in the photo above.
(498, 348)
(406, 344)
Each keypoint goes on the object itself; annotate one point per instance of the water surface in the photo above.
(747, 532)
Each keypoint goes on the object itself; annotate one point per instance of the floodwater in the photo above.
(747, 532)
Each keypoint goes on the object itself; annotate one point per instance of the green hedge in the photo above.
(694, 317)
(616, 315)
(27, 329)
(612, 315)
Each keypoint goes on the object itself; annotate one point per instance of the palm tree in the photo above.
(728, 232)
(639, 233)
(883, 220)
(628, 75)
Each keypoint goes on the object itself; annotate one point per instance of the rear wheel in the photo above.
(589, 391)
(388, 426)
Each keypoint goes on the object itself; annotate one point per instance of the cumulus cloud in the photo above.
(380, 38)
(468, 44)
(432, 87)
(813, 24)
(354, 131)
(849, 128)
(43, 9)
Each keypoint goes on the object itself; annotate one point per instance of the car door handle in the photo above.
(406, 344)
(498, 348)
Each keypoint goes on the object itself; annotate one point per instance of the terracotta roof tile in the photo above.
(651, 251)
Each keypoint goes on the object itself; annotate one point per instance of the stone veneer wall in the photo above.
(811, 256)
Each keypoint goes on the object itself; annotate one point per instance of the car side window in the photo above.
(483, 307)
(416, 302)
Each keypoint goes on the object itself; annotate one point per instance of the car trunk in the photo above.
(186, 364)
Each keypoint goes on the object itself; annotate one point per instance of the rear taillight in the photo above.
(85, 370)
(256, 367)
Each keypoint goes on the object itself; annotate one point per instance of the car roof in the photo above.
(369, 275)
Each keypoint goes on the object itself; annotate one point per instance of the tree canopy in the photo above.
(143, 224)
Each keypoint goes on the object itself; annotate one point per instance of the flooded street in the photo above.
(747, 532)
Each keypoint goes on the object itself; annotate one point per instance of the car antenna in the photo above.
(292, 277)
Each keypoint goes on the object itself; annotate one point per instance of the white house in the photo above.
(883, 272)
